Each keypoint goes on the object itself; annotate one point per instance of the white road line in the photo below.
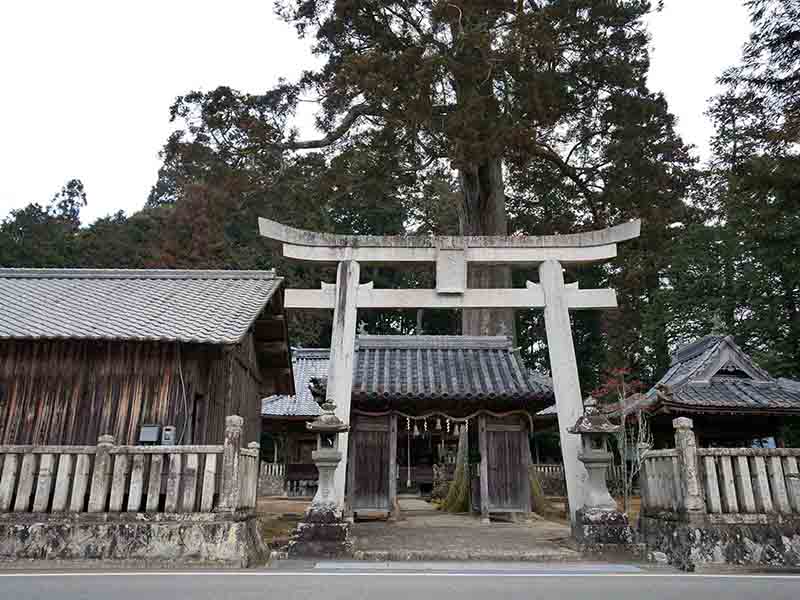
(394, 574)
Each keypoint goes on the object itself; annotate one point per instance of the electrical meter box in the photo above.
(168, 436)
(150, 435)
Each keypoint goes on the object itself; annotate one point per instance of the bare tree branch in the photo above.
(349, 120)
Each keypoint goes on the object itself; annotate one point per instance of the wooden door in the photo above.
(507, 458)
(370, 464)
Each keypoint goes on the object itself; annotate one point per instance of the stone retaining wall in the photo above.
(772, 543)
(230, 540)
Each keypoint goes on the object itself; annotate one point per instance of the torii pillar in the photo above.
(452, 256)
(340, 367)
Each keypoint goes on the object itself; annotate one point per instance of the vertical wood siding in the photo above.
(71, 392)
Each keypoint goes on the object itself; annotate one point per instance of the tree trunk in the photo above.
(483, 212)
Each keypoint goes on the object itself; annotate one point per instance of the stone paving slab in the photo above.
(428, 534)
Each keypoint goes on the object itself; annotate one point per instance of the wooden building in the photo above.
(731, 400)
(412, 395)
(91, 352)
(285, 437)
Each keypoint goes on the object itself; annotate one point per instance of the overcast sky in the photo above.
(85, 87)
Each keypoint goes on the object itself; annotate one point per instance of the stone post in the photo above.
(322, 532)
(691, 487)
(231, 479)
(566, 384)
(101, 478)
(340, 369)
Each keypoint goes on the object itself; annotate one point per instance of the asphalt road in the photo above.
(396, 583)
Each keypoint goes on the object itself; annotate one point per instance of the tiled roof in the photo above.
(215, 307)
(715, 375)
(459, 368)
(444, 366)
(306, 363)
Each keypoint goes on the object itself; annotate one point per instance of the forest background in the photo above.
(482, 117)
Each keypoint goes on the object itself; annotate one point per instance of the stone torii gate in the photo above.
(452, 256)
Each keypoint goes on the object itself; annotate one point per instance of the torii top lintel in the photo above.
(584, 247)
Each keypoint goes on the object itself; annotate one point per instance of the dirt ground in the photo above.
(558, 508)
(277, 516)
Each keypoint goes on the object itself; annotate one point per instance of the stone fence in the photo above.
(721, 505)
(553, 482)
(72, 486)
(272, 479)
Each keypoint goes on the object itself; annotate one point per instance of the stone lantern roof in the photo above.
(593, 421)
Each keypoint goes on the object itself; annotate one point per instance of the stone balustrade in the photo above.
(107, 478)
(738, 506)
(722, 484)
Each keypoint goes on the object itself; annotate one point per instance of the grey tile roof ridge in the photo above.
(434, 342)
(788, 384)
(41, 273)
(309, 353)
(696, 348)
(79, 304)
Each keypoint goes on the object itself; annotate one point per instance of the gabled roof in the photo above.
(715, 375)
(402, 371)
(214, 307)
(306, 363)
(468, 368)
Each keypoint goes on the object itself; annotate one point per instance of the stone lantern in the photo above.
(598, 522)
(322, 532)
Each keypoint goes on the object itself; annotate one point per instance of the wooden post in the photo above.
(393, 506)
(566, 384)
(340, 370)
(690, 486)
(483, 449)
(102, 475)
(231, 477)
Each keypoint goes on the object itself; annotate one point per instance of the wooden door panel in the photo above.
(508, 485)
(371, 439)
